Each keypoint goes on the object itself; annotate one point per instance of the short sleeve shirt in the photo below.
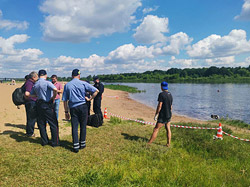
(43, 89)
(28, 87)
(75, 92)
(100, 87)
(167, 100)
(58, 85)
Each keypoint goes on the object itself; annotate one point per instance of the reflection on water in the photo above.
(200, 100)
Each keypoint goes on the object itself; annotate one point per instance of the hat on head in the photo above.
(42, 72)
(164, 85)
(75, 72)
(95, 78)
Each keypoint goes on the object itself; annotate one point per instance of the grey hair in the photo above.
(33, 74)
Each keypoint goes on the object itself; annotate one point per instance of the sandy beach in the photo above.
(116, 102)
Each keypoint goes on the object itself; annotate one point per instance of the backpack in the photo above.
(94, 120)
(18, 96)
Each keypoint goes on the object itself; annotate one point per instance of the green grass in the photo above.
(235, 123)
(124, 88)
(117, 155)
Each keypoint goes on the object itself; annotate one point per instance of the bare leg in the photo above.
(168, 131)
(155, 132)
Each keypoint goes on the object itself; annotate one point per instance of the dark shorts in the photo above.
(163, 120)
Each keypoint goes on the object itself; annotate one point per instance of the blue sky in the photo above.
(117, 36)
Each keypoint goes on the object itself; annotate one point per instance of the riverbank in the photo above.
(116, 102)
(116, 153)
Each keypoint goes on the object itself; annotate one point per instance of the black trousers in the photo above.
(97, 107)
(79, 114)
(46, 113)
(89, 105)
(31, 116)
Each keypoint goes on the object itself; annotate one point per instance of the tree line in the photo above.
(200, 75)
(211, 74)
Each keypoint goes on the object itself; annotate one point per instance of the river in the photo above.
(200, 100)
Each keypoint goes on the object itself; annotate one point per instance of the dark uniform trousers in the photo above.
(31, 115)
(97, 107)
(79, 114)
(46, 113)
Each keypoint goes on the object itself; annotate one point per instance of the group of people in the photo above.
(43, 99)
(42, 105)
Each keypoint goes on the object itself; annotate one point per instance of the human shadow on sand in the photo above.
(21, 137)
(20, 126)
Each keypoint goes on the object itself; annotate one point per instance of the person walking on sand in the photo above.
(46, 93)
(30, 104)
(163, 113)
(74, 99)
(59, 87)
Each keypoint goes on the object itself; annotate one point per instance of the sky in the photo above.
(121, 36)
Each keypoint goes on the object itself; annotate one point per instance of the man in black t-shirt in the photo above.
(163, 113)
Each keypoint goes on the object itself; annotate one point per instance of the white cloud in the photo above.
(176, 42)
(148, 10)
(216, 46)
(129, 53)
(222, 61)
(152, 30)
(184, 63)
(19, 62)
(245, 12)
(8, 25)
(7, 45)
(81, 20)
(198, 63)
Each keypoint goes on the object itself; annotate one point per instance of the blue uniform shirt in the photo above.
(75, 92)
(43, 89)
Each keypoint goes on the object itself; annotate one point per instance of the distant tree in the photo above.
(242, 72)
(211, 71)
(183, 73)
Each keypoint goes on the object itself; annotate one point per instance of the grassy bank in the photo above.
(117, 155)
(123, 88)
(234, 123)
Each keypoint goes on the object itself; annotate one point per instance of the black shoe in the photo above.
(82, 147)
(75, 150)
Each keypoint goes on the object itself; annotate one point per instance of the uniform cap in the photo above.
(75, 72)
(95, 78)
(42, 72)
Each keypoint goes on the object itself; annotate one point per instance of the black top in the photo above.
(100, 87)
(167, 100)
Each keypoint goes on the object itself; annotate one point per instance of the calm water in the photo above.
(200, 100)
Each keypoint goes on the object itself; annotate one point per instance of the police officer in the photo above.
(74, 97)
(46, 93)
(98, 98)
